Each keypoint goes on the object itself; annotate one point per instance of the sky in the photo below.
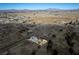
(34, 6)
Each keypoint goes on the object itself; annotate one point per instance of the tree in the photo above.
(49, 46)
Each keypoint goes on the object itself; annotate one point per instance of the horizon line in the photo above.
(43, 9)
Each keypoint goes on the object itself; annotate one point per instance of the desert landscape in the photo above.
(39, 32)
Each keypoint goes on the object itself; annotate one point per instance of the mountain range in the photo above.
(28, 10)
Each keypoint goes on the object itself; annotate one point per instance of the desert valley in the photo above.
(39, 32)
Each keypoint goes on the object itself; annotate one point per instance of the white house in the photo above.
(37, 41)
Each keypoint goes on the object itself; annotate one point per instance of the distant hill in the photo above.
(27, 10)
(14, 11)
